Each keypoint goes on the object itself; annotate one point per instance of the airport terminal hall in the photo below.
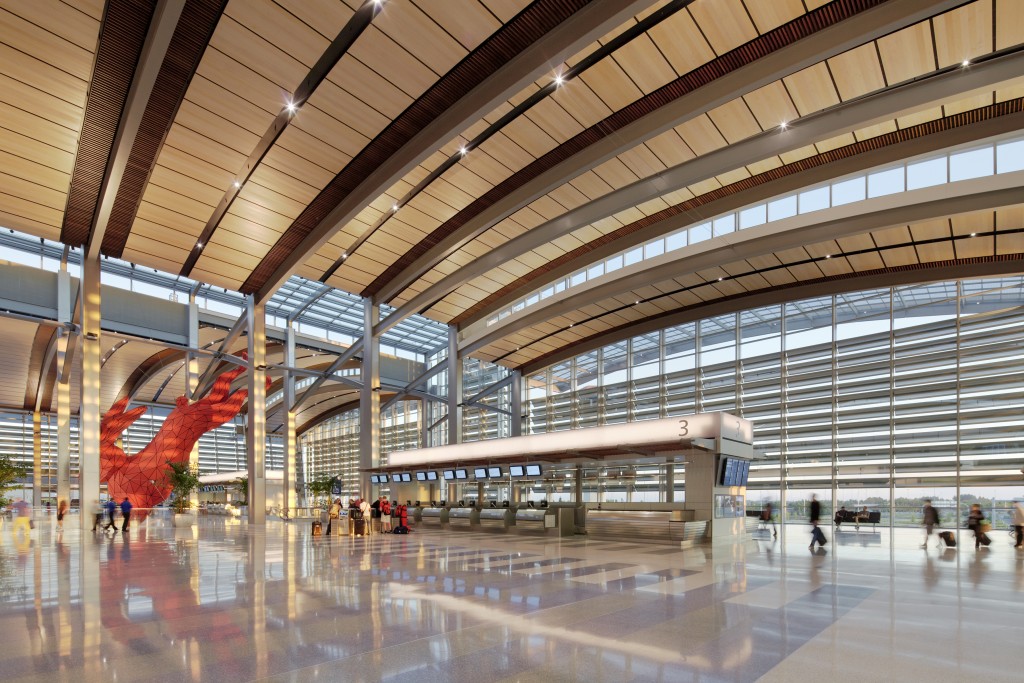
(511, 341)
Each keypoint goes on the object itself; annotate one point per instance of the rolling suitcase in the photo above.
(317, 529)
(985, 540)
(819, 536)
(948, 538)
(360, 526)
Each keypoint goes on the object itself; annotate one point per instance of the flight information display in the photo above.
(734, 472)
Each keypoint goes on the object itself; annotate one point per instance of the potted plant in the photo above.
(184, 479)
(241, 486)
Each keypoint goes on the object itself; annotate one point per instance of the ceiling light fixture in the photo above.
(463, 151)
(719, 279)
(783, 125)
(559, 80)
(237, 184)
(394, 208)
(974, 234)
(966, 62)
(199, 245)
(291, 107)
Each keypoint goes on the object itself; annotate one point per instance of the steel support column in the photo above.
(454, 387)
(288, 502)
(369, 398)
(89, 411)
(64, 316)
(192, 374)
(256, 418)
(516, 426)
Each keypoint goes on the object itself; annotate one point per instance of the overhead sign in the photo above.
(621, 437)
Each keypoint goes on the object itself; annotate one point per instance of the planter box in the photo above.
(183, 520)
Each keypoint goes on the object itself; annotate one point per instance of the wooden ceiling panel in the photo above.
(645, 64)
(176, 238)
(701, 135)
(1010, 244)
(867, 261)
(302, 144)
(393, 63)
(296, 167)
(908, 53)
(975, 221)
(835, 143)
(36, 216)
(857, 71)
(805, 272)
(339, 113)
(142, 249)
(938, 251)
(812, 89)
(255, 52)
(918, 117)
(253, 205)
(642, 161)
(33, 40)
(900, 256)
(408, 26)
(769, 15)
(202, 171)
(327, 17)
(581, 103)
(875, 131)
(1010, 218)
(927, 230)
(779, 277)
(616, 174)
(186, 186)
(29, 148)
(35, 127)
(968, 104)
(771, 105)
(568, 196)
(726, 179)
(287, 190)
(487, 171)
(963, 33)
(890, 236)
(354, 76)
(289, 34)
(1009, 23)
(40, 104)
(670, 148)
(170, 218)
(26, 169)
(467, 20)
(725, 23)
(735, 121)
(179, 203)
(206, 149)
(44, 77)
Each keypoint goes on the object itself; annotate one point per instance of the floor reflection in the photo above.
(226, 602)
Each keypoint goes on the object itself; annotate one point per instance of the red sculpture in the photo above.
(143, 477)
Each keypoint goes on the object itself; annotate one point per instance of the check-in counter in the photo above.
(497, 518)
(644, 525)
(431, 516)
(530, 520)
(464, 517)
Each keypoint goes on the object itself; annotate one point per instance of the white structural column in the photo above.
(256, 423)
(63, 387)
(288, 492)
(454, 387)
(369, 398)
(192, 374)
(89, 413)
(37, 458)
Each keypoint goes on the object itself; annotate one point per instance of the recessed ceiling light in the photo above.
(783, 125)
(291, 107)
(394, 208)
(974, 234)
(559, 80)
(719, 279)
(828, 255)
(463, 151)
(199, 245)
(237, 184)
(966, 62)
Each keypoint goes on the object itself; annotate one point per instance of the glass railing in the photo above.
(976, 161)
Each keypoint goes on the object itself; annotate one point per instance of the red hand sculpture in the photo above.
(142, 477)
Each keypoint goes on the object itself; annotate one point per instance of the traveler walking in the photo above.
(975, 520)
(1018, 523)
(111, 507)
(930, 520)
(766, 517)
(62, 509)
(97, 511)
(22, 517)
(333, 514)
(126, 513)
(817, 535)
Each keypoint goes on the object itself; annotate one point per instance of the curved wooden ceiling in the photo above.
(447, 156)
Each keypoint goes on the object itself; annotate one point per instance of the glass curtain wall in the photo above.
(872, 399)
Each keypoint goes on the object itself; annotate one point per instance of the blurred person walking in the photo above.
(22, 517)
(62, 509)
(817, 535)
(126, 513)
(1018, 523)
(975, 522)
(930, 520)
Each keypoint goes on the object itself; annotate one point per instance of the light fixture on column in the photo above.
(92, 336)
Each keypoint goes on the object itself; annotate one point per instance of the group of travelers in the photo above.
(367, 518)
(23, 514)
(110, 509)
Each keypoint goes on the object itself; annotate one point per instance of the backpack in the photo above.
(401, 530)
(385, 508)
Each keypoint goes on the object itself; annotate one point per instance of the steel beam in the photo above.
(855, 114)
(89, 409)
(369, 398)
(329, 372)
(256, 415)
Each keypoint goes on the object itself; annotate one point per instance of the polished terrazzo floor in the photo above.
(226, 602)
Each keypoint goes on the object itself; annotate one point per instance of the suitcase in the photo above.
(317, 529)
(360, 527)
(948, 538)
(818, 535)
(985, 540)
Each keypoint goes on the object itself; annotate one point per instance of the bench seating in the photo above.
(850, 517)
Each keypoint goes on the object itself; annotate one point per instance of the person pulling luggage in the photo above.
(930, 520)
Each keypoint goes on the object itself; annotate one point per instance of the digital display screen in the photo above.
(406, 476)
(431, 476)
(734, 472)
(515, 470)
(421, 476)
(395, 478)
(461, 474)
(373, 478)
(493, 471)
(480, 473)
(533, 470)
(449, 474)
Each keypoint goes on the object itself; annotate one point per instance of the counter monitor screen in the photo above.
(373, 478)
(515, 470)
(480, 473)
(431, 476)
(396, 478)
(461, 474)
(449, 474)
(533, 470)
(493, 471)
(421, 476)
(406, 476)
